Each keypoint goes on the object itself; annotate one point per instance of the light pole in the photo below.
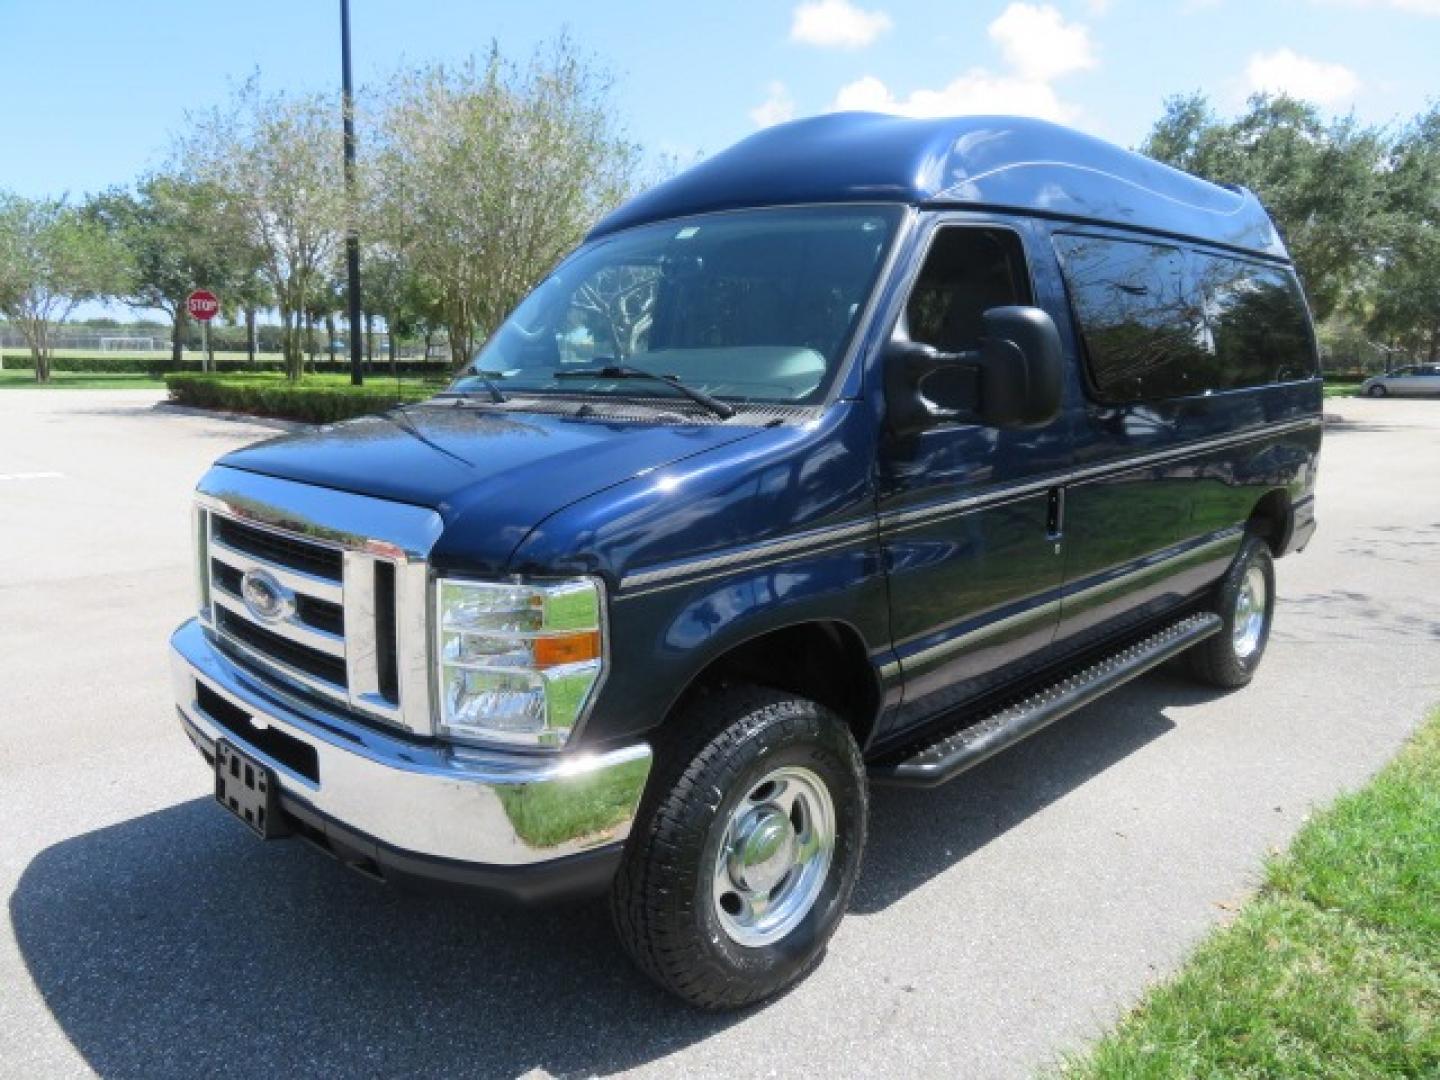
(352, 235)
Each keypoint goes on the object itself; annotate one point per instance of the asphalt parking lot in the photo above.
(999, 921)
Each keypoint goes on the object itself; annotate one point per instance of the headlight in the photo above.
(518, 663)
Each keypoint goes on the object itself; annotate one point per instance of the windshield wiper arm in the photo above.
(625, 371)
(401, 419)
(487, 380)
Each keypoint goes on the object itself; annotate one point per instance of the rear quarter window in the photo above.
(1142, 324)
(1259, 329)
(1158, 321)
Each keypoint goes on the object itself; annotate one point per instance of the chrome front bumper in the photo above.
(413, 806)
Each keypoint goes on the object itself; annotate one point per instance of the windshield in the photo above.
(755, 305)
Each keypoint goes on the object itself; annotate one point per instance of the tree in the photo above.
(1406, 299)
(486, 174)
(1322, 182)
(52, 259)
(387, 290)
(275, 162)
(250, 293)
(176, 236)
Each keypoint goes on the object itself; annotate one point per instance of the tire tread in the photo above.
(1213, 662)
(654, 914)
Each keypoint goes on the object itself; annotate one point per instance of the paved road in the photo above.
(999, 921)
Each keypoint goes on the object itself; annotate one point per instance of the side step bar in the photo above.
(951, 753)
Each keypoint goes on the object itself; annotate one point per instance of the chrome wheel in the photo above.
(774, 856)
(1249, 623)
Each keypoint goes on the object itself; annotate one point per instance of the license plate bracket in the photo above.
(249, 790)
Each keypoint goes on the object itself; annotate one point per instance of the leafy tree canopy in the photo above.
(1324, 182)
(52, 258)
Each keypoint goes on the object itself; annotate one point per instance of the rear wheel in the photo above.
(1245, 601)
(743, 859)
(1377, 391)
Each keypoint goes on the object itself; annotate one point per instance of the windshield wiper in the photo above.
(487, 380)
(401, 419)
(625, 371)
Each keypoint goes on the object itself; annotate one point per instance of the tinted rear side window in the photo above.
(1257, 322)
(1142, 322)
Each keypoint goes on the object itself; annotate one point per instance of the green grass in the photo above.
(79, 380)
(1334, 390)
(1332, 971)
(1375, 855)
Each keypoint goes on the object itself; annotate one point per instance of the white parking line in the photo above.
(32, 476)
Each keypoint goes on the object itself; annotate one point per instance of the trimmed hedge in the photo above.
(158, 366)
(312, 401)
(141, 365)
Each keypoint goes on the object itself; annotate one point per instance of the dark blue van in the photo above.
(850, 456)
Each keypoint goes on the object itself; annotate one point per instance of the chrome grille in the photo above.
(348, 606)
(303, 643)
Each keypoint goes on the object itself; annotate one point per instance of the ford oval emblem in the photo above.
(266, 598)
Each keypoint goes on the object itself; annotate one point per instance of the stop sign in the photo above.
(202, 304)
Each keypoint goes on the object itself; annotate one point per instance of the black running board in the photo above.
(951, 753)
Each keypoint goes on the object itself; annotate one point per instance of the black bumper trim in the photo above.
(569, 877)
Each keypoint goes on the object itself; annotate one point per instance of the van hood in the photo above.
(507, 471)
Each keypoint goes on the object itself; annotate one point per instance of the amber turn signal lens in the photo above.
(567, 648)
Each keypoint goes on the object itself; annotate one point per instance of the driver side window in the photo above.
(967, 271)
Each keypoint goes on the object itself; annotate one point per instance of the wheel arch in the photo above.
(1272, 519)
(824, 660)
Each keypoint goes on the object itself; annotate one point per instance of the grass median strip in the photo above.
(314, 399)
(80, 380)
(1332, 971)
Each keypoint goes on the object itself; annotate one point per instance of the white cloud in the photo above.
(1285, 71)
(837, 24)
(1410, 7)
(1097, 7)
(975, 91)
(1039, 44)
(777, 107)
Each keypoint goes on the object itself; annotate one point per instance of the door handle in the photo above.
(1055, 514)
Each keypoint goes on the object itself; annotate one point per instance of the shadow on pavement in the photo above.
(917, 834)
(1351, 615)
(1369, 426)
(161, 413)
(174, 944)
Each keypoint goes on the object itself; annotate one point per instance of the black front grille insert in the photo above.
(226, 576)
(289, 751)
(385, 660)
(301, 657)
(297, 554)
(321, 614)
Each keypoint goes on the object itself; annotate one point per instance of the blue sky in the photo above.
(92, 90)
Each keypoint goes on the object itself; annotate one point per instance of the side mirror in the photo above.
(1013, 380)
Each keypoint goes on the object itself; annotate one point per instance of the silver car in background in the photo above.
(1414, 381)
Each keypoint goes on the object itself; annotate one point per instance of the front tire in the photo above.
(1245, 601)
(746, 850)
(1377, 391)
